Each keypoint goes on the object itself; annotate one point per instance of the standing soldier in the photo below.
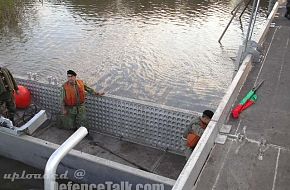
(73, 99)
(7, 87)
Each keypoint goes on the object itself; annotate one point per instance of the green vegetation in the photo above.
(10, 14)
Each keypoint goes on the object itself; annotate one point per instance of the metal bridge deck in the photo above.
(131, 154)
(261, 159)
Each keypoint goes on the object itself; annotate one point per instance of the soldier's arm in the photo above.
(13, 81)
(92, 91)
(89, 89)
(187, 130)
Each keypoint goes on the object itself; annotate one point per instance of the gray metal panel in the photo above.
(35, 152)
(138, 121)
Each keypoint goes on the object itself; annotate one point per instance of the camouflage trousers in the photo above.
(75, 118)
(7, 105)
(187, 151)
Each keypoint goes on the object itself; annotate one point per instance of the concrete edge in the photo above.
(270, 18)
(95, 159)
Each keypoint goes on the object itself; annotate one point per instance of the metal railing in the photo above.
(252, 23)
(234, 12)
(245, 49)
(57, 156)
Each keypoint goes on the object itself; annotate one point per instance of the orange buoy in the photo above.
(23, 97)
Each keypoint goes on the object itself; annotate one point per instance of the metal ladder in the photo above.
(248, 43)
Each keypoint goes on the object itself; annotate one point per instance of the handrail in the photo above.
(243, 49)
(251, 25)
(255, 17)
(249, 1)
(237, 8)
(57, 156)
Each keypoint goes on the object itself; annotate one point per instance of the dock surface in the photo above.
(145, 158)
(261, 158)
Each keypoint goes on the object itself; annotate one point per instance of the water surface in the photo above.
(159, 51)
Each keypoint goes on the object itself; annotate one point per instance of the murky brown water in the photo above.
(159, 51)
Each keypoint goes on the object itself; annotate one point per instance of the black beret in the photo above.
(71, 72)
(208, 113)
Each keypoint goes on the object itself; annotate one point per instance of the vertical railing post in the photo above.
(249, 32)
(250, 25)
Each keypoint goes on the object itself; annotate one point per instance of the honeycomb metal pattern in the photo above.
(132, 120)
(46, 96)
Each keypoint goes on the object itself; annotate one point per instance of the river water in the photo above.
(159, 51)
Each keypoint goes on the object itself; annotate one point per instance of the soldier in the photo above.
(73, 99)
(7, 87)
(194, 130)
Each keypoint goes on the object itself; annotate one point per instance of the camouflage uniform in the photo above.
(193, 127)
(76, 115)
(7, 87)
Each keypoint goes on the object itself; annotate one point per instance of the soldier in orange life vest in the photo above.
(194, 131)
(73, 99)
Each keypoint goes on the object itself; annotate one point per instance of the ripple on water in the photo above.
(161, 51)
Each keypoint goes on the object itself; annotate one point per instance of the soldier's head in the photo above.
(71, 76)
(206, 117)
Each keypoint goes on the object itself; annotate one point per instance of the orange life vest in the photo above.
(70, 98)
(192, 140)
